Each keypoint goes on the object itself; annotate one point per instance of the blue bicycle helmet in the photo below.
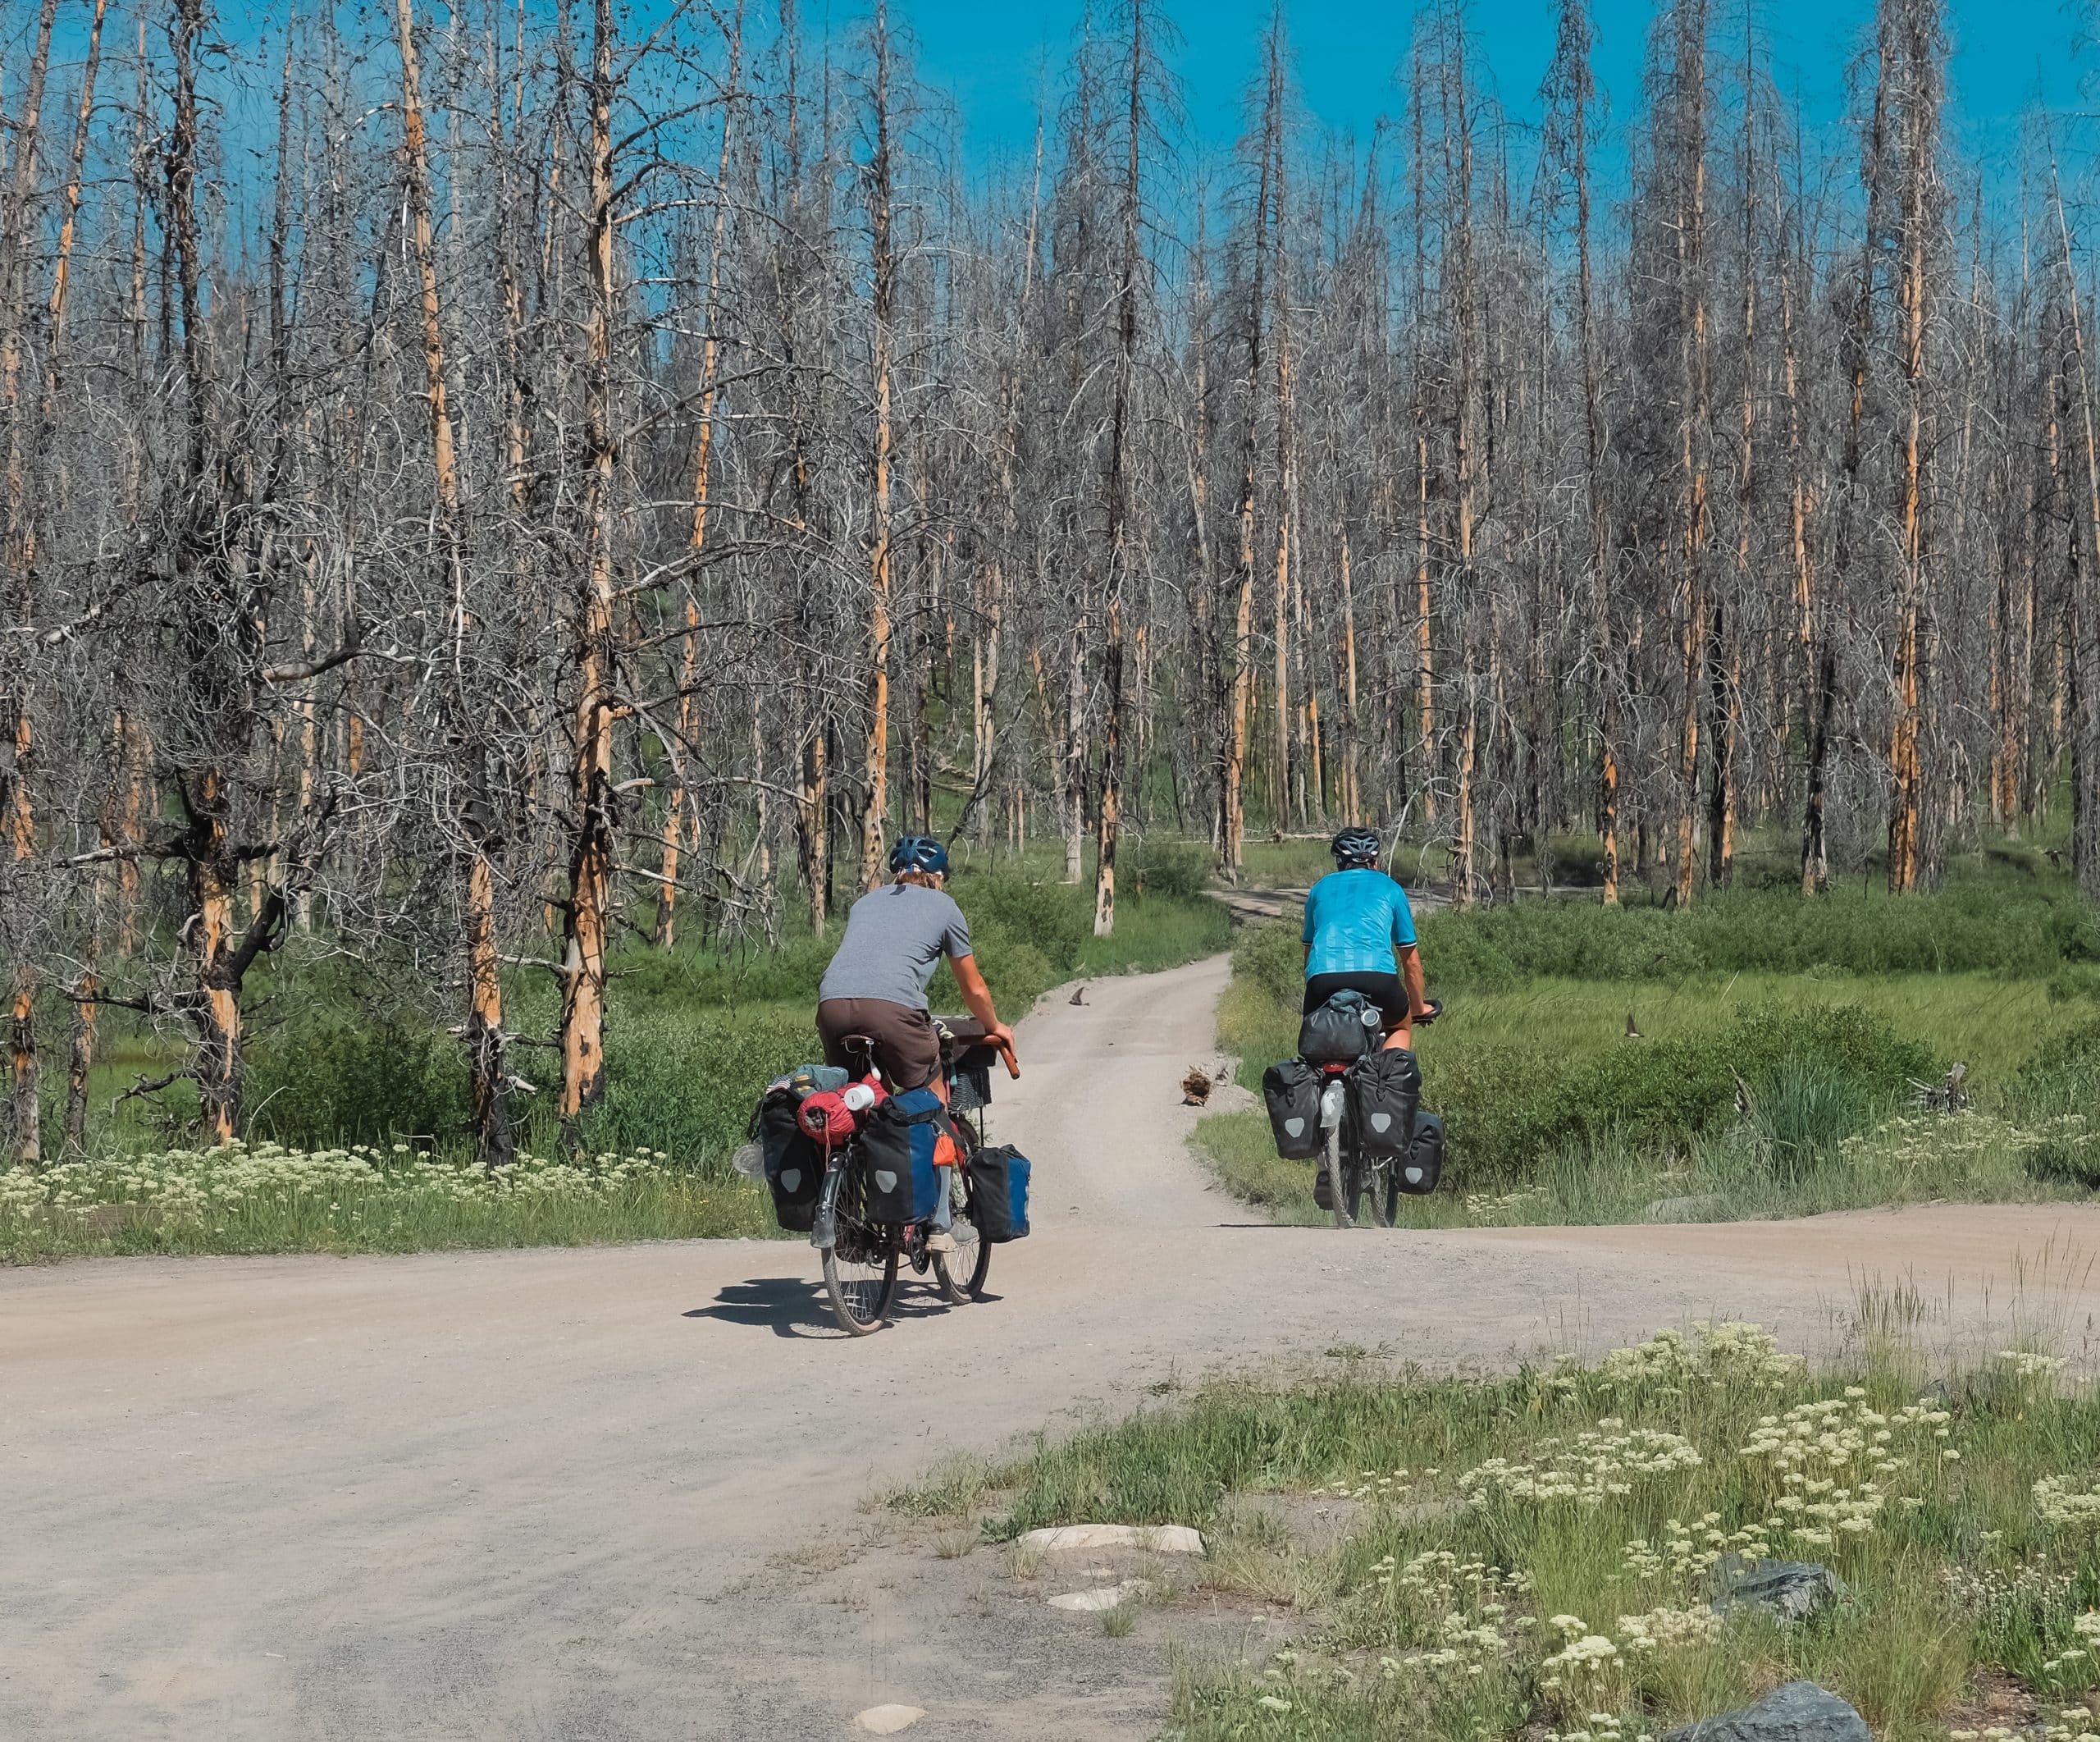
(918, 853)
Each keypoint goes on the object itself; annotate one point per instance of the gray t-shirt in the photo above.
(895, 938)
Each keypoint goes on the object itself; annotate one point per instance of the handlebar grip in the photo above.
(1013, 1064)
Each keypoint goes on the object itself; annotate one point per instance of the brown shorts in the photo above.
(908, 1051)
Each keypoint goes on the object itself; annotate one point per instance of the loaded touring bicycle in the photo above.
(870, 1175)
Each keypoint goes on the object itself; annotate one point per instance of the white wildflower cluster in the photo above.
(1731, 1353)
(1436, 1587)
(1286, 1669)
(1688, 1551)
(1373, 1485)
(2068, 1507)
(1593, 1670)
(2025, 1364)
(1599, 1726)
(1454, 1614)
(2078, 1659)
(1661, 1630)
(1836, 1457)
(2074, 1724)
(1485, 1207)
(240, 1178)
(1589, 1469)
(2002, 1597)
(1587, 1671)
(1945, 1146)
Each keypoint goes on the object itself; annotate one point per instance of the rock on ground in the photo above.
(1793, 1590)
(1707, 1207)
(886, 1721)
(1100, 1597)
(1800, 1711)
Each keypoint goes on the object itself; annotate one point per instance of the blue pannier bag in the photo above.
(998, 1193)
(902, 1140)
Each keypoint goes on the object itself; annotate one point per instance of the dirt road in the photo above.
(616, 1494)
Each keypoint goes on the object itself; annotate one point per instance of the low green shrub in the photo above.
(685, 1083)
(1506, 1110)
(336, 1062)
(1272, 957)
(1183, 869)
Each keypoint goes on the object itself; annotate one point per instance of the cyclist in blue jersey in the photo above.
(1359, 936)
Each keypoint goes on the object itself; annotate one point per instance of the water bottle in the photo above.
(859, 1097)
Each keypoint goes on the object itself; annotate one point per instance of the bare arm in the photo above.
(1403, 1035)
(978, 996)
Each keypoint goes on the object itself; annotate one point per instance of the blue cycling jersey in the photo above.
(1355, 921)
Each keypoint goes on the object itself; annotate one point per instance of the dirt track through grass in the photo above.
(616, 1493)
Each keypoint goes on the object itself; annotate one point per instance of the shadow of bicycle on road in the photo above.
(799, 1306)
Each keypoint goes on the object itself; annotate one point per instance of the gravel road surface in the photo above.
(621, 1494)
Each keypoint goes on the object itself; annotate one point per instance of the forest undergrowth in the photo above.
(1538, 1555)
(1754, 1056)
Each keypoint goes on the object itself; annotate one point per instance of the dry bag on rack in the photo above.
(902, 1140)
(1385, 1091)
(1291, 1087)
(998, 1193)
(1423, 1164)
(794, 1165)
(1344, 1028)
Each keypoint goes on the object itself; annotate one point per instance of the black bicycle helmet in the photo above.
(1355, 847)
(918, 853)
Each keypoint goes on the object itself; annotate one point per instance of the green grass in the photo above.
(1491, 1522)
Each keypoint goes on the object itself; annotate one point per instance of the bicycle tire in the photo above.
(1342, 1181)
(1382, 1189)
(861, 1290)
(960, 1275)
(860, 1302)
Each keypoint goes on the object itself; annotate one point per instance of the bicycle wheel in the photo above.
(859, 1265)
(861, 1287)
(1381, 1189)
(1344, 1183)
(960, 1273)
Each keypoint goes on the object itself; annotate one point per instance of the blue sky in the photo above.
(991, 58)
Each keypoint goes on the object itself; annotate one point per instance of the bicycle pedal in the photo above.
(1322, 1192)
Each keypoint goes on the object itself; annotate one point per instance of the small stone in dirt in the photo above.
(886, 1721)
(1793, 1590)
(1800, 1711)
(1158, 1538)
(1707, 1207)
(1105, 1597)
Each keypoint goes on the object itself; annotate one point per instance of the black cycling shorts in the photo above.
(1385, 990)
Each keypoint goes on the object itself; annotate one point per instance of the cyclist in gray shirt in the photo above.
(876, 985)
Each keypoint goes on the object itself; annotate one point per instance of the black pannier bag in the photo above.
(998, 1193)
(794, 1165)
(1344, 1028)
(1292, 1089)
(1385, 1089)
(1423, 1164)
